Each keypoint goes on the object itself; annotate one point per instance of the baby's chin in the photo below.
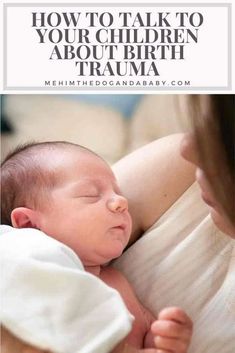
(104, 257)
(118, 247)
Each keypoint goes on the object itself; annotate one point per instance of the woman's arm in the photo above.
(153, 178)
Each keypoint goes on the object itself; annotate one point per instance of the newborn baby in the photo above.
(71, 194)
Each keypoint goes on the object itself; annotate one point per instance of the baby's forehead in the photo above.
(61, 156)
(82, 164)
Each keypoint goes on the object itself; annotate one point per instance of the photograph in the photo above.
(117, 229)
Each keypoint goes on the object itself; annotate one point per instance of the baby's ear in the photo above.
(23, 217)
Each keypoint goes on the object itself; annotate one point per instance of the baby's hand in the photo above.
(172, 331)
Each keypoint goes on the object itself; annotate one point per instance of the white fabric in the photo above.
(48, 300)
(184, 260)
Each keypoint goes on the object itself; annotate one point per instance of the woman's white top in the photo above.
(183, 260)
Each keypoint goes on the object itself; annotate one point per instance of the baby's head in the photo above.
(71, 194)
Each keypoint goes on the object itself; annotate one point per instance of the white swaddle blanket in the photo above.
(49, 301)
(184, 260)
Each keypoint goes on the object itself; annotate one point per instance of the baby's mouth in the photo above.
(121, 227)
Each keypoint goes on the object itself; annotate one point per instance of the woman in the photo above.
(185, 258)
(211, 149)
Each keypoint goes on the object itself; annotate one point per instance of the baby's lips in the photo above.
(120, 226)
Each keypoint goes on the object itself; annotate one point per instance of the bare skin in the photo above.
(171, 332)
(152, 178)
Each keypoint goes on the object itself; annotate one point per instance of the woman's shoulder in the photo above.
(153, 178)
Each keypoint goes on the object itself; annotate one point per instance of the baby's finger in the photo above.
(175, 314)
(171, 329)
(172, 345)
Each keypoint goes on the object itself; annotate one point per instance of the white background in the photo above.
(204, 65)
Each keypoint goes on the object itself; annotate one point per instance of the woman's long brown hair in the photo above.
(214, 131)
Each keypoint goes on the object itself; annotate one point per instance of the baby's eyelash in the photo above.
(90, 196)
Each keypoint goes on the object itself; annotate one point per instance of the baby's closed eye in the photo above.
(88, 192)
(90, 195)
(89, 198)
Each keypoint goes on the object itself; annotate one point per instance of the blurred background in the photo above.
(112, 125)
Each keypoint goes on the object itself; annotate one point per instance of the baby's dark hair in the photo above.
(25, 179)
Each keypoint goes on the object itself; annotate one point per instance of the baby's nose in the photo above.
(118, 203)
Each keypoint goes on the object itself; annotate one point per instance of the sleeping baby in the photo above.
(71, 194)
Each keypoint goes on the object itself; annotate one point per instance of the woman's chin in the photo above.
(221, 223)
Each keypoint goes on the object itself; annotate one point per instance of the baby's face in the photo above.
(86, 210)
